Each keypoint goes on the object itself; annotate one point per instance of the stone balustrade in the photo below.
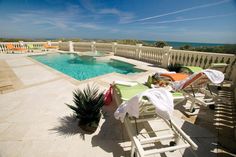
(64, 46)
(104, 47)
(82, 46)
(3, 47)
(202, 59)
(159, 56)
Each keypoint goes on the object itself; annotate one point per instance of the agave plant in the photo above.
(174, 67)
(88, 104)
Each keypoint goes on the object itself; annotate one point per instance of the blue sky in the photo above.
(170, 20)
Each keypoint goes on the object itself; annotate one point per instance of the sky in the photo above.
(210, 21)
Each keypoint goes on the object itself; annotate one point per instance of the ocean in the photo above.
(176, 44)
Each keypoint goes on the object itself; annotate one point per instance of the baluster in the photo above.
(228, 69)
(205, 62)
(196, 59)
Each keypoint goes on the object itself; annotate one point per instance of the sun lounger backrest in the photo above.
(45, 45)
(10, 46)
(198, 80)
(145, 108)
(30, 46)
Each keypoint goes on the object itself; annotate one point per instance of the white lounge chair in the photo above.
(150, 142)
(199, 83)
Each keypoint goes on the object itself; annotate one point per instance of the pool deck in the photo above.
(34, 120)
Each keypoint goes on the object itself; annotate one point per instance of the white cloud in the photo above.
(189, 19)
(66, 19)
(124, 17)
(183, 10)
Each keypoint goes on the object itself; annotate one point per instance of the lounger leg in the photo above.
(132, 149)
(193, 152)
(192, 109)
(193, 91)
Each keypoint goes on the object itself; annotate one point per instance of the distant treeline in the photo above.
(227, 48)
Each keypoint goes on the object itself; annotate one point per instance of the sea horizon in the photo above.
(178, 44)
(174, 44)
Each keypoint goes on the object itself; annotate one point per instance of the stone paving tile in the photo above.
(3, 127)
(18, 62)
(33, 74)
(14, 132)
(13, 148)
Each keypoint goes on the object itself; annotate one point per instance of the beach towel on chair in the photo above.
(159, 97)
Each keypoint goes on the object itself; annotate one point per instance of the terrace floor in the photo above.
(34, 119)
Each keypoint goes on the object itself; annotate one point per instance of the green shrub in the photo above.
(161, 44)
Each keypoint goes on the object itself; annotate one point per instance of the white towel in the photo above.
(214, 75)
(159, 97)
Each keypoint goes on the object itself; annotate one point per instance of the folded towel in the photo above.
(214, 75)
(126, 83)
(159, 97)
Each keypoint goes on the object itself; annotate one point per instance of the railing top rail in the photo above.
(34, 42)
(203, 53)
(103, 43)
(148, 47)
(123, 45)
(85, 43)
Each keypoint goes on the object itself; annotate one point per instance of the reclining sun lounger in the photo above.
(46, 46)
(12, 48)
(31, 47)
(195, 86)
(190, 69)
(193, 69)
(147, 141)
(200, 81)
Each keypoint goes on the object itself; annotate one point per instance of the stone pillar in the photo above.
(114, 47)
(166, 56)
(93, 46)
(71, 46)
(21, 43)
(59, 44)
(233, 76)
(138, 51)
(49, 43)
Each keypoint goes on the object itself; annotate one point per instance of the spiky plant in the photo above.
(88, 104)
(174, 67)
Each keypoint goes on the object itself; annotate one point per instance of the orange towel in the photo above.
(50, 47)
(175, 76)
(10, 46)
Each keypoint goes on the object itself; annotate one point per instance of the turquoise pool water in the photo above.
(84, 67)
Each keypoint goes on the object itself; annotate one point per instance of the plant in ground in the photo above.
(88, 104)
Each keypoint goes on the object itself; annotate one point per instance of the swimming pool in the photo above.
(84, 67)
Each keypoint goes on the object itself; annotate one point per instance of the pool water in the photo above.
(84, 67)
